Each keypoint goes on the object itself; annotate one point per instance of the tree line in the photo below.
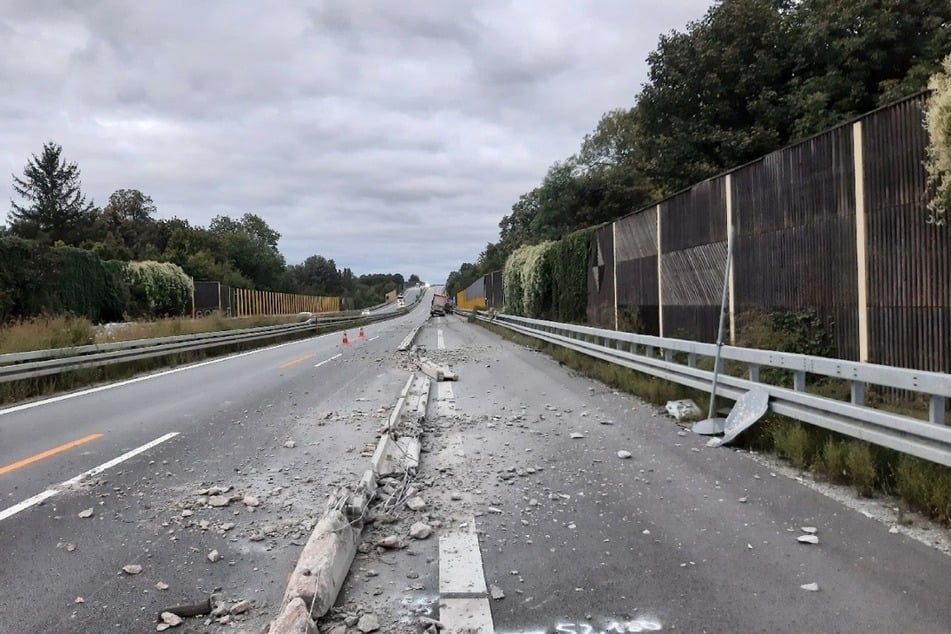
(240, 252)
(748, 78)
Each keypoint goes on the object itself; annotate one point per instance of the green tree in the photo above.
(250, 246)
(128, 217)
(55, 207)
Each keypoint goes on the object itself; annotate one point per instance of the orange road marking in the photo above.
(296, 361)
(49, 452)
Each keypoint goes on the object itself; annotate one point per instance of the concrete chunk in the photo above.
(294, 619)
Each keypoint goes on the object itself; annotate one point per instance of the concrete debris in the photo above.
(496, 592)
(368, 623)
(420, 530)
(132, 569)
(808, 539)
(811, 587)
(86, 513)
(391, 542)
(219, 501)
(161, 585)
(684, 409)
(241, 607)
(575, 435)
(79, 600)
(290, 444)
(743, 500)
(324, 563)
(623, 453)
(250, 500)
(416, 503)
(214, 556)
(171, 619)
(161, 627)
(70, 547)
(811, 530)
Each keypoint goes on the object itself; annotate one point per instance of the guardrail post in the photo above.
(668, 355)
(858, 392)
(799, 381)
(649, 351)
(691, 359)
(936, 409)
(754, 372)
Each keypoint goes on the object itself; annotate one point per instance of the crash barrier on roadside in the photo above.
(677, 359)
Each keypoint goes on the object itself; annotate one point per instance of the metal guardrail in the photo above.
(676, 360)
(26, 365)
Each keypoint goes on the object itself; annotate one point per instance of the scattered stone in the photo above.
(496, 592)
(368, 623)
(743, 500)
(811, 587)
(290, 444)
(623, 453)
(420, 530)
(241, 607)
(132, 569)
(893, 530)
(171, 619)
(161, 627)
(494, 509)
(161, 585)
(79, 600)
(250, 500)
(214, 556)
(219, 501)
(187, 513)
(416, 503)
(455, 495)
(86, 513)
(809, 529)
(391, 542)
(575, 435)
(808, 539)
(71, 547)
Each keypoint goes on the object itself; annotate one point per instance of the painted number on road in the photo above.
(611, 627)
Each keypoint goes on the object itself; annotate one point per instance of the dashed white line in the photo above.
(39, 497)
(336, 356)
(440, 342)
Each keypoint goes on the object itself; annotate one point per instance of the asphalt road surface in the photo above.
(538, 525)
(116, 476)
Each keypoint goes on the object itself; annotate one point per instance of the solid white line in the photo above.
(36, 499)
(27, 503)
(440, 342)
(120, 459)
(466, 615)
(336, 356)
(460, 563)
(372, 338)
(101, 388)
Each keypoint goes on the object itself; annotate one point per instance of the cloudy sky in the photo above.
(391, 136)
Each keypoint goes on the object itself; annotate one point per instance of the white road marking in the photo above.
(440, 342)
(36, 499)
(466, 615)
(336, 356)
(102, 388)
(460, 563)
(373, 338)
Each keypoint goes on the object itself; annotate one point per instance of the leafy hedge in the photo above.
(938, 122)
(61, 280)
(568, 263)
(527, 281)
(157, 289)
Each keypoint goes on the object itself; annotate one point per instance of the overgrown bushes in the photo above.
(938, 123)
(61, 280)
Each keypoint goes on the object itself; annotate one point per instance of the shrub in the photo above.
(938, 163)
(157, 289)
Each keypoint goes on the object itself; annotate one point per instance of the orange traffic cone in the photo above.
(361, 333)
(345, 340)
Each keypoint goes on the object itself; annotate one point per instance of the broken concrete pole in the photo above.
(409, 453)
(386, 456)
(294, 619)
(324, 563)
(431, 369)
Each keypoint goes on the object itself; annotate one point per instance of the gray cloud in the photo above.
(390, 137)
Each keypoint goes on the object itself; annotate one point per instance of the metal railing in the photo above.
(676, 360)
(27, 365)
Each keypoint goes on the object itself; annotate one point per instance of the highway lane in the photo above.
(232, 418)
(522, 455)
